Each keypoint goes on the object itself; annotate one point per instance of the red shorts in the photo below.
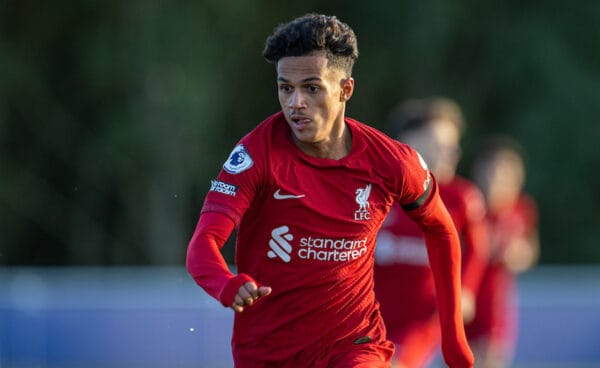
(417, 343)
(374, 354)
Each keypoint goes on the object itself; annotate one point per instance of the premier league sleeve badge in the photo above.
(238, 161)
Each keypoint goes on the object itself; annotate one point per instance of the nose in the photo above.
(296, 100)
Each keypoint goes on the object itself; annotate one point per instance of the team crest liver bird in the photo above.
(362, 197)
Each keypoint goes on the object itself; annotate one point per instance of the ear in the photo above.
(347, 89)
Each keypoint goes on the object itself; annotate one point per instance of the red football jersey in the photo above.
(404, 282)
(307, 228)
(466, 205)
(309, 235)
(496, 316)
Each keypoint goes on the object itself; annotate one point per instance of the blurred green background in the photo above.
(114, 115)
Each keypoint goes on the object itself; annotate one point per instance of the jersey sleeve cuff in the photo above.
(230, 290)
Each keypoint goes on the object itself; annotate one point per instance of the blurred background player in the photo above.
(499, 171)
(403, 279)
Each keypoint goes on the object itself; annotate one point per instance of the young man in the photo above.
(499, 171)
(308, 189)
(433, 126)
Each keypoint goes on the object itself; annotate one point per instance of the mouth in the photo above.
(300, 121)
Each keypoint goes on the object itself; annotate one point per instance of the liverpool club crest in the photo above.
(362, 199)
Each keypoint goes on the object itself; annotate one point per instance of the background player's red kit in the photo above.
(404, 282)
(496, 316)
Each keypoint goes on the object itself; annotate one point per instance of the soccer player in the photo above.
(404, 283)
(308, 189)
(499, 171)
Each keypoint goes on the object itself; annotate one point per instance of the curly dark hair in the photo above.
(314, 32)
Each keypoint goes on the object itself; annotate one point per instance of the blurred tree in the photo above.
(115, 116)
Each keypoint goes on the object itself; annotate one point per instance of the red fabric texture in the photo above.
(443, 249)
(497, 316)
(310, 236)
(404, 282)
(204, 260)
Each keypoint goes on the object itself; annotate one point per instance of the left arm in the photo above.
(443, 248)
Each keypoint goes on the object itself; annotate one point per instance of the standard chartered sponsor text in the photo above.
(337, 250)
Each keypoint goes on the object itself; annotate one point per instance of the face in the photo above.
(312, 97)
(501, 179)
(439, 144)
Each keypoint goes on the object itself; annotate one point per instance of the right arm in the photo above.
(208, 268)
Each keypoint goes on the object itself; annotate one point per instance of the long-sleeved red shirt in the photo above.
(307, 228)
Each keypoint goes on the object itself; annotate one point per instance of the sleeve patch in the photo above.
(238, 161)
(422, 162)
(419, 202)
(222, 187)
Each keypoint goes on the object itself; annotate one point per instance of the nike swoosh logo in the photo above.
(278, 195)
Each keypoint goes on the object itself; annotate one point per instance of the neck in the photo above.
(337, 146)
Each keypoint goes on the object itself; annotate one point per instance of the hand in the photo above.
(468, 305)
(519, 255)
(248, 294)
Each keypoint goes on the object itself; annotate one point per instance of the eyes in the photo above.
(313, 88)
(310, 88)
(285, 88)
